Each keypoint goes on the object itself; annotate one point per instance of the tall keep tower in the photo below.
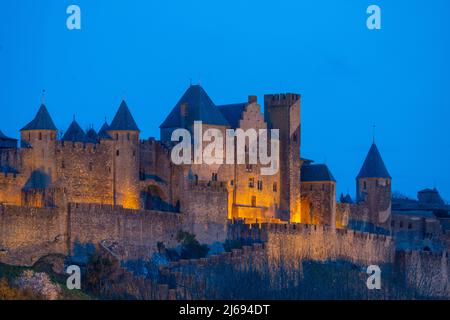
(373, 188)
(39, 136)
(282, 111)
(125, 139)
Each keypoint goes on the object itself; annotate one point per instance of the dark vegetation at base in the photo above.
(49, 265)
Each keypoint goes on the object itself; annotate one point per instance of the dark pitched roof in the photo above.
(74, 133)
(5, 138)
(91, 136)
(7, 142)
(123, 119)
(233, 113)
(42, 121)
(103, 133)
(373, 166)
(316, 173)
(200, 107)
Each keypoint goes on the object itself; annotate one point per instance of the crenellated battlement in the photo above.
(78, 147)
(282, 99)
(155, 145)
(316, 242)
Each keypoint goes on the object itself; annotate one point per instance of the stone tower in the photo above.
(373, 189)
(125, 140)
(39, 136)
(282, 111)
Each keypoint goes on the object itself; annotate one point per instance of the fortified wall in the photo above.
(297, 242)
(206, 211)
(427, 272)
(26, 234)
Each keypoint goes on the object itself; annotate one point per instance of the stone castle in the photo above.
(112, 189)
(115, 167)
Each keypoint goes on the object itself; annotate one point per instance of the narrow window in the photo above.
(128, 136)
(251, 182)
(275, 187)
(63, 165)
(117, 136)
(365, 185)
(260, 185)
(253, 201)
(117, 153)
(40, 135)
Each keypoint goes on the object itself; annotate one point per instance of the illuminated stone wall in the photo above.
(205, 209)
(26, 234)
(299, 242)
(319, 203)
(85, 171)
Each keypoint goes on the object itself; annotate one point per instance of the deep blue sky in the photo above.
(350, 77)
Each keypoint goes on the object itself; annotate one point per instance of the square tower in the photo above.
(282, 112)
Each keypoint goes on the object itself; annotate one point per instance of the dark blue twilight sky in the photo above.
(350, 77)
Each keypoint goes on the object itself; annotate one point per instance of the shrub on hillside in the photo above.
(190, 247)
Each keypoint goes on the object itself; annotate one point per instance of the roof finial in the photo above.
(373, 133)
(43, 96)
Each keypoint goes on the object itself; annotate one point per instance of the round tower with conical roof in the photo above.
(124, 134)
(373, 188)
(39, 136)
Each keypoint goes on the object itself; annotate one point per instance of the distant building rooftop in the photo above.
(316, 173)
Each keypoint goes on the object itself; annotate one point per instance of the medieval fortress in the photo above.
(62, 188)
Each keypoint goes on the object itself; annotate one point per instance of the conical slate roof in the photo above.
(92, 136)
(103, 133)
(123, 120)
(373, 166)
(74, 133)
(200, 107)
(42, 121)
